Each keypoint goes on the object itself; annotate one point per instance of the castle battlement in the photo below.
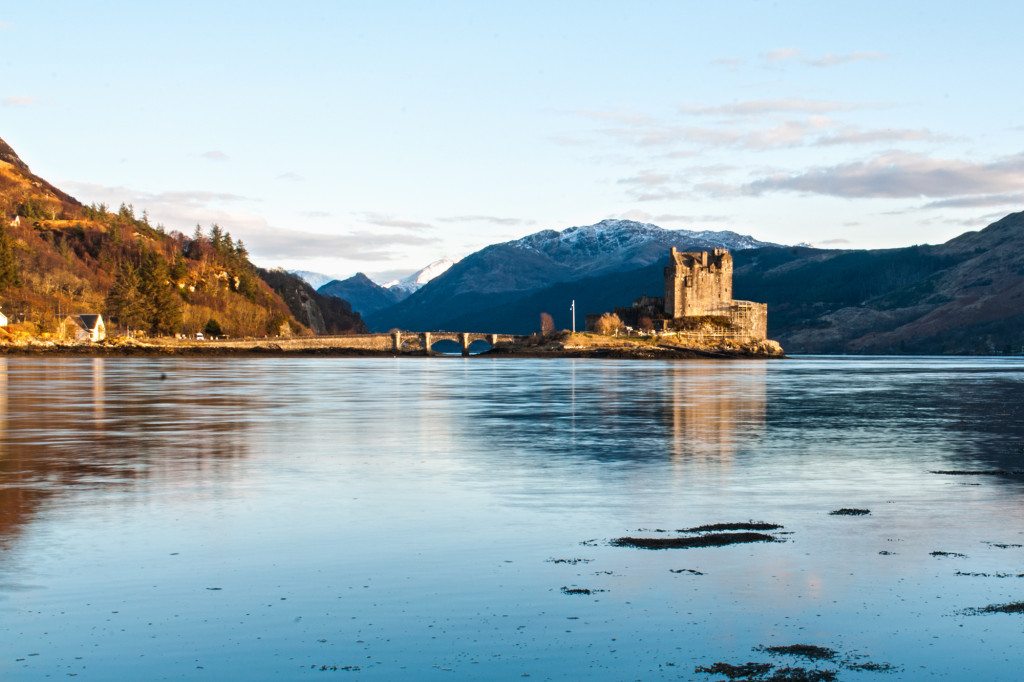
(697, 282)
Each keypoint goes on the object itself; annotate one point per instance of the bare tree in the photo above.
(547, 324)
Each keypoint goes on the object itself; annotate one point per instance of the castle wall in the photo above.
(748, 320)
(697, 283)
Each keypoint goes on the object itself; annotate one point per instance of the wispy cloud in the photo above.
(114, 195)
(759, 107)
(791, 54)
(669, 218)
(900, 174)
(755, 125)
(290, 177)
(728, 62)
(183, 209)
(852, 135)
(316, 214)
(214, 155)
(690, 182)
(490, 219)
(388, 220)
(781, 54)
(275, 244)
(18, 101)
(832, 59)
(978, 201)
(652, 185)
(837, 241)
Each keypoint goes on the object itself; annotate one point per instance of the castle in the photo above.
(698, 299)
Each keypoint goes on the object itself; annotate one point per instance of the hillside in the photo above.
(502, 273)
(962, 297)
(320, 313)
(59, 257)
(365, 295)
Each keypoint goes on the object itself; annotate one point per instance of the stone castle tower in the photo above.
(698, 302)
(697, 283)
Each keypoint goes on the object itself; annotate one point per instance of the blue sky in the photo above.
(379, 136)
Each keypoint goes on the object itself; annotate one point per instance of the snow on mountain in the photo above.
(514, 270)
(420, 277)
(314, 279)
(617, 241)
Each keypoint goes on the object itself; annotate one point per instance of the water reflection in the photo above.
(68, 424)
(714, 409)
(264, 518)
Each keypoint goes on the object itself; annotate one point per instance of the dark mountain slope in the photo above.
(500, 273)
(364, 295)
(322, 314)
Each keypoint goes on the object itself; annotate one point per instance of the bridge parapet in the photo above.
(411, 342)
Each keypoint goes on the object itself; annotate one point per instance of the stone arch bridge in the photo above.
(410, 342)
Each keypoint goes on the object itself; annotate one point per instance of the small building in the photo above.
(3, 320)
(88, 327)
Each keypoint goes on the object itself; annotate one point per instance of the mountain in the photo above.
(58, 256)
(313, 279)
(414, 282)
(364, 295)
(504, 272)
(962, 297)
(322, 314)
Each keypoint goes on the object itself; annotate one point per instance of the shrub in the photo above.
(608, 324)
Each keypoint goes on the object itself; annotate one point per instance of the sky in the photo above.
(379, 136)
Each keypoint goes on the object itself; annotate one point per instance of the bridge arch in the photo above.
(425, 341)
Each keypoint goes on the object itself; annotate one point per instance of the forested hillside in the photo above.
(59, 257)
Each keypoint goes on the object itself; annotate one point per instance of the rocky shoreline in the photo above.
(559, 346)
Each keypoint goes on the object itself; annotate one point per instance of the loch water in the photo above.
(287, 518)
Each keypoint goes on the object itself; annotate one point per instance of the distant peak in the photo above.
(417, 279)
(361, 278)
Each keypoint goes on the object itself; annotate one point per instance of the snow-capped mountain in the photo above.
(417, 279)
(314, 279)
(618, 243)
(500, 273)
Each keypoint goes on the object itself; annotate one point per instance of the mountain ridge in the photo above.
(495, 274)
(965, 296)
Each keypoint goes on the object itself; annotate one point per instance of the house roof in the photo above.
(88, 321)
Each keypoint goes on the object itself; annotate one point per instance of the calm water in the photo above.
(258, 519)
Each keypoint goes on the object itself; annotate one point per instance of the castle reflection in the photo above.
(714, 408)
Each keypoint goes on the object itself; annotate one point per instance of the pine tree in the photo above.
(10, 275)
(161, 302)
(125, 303)
(179, 269)
(216, 238)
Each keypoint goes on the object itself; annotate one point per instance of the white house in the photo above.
(3, 320)
(84, 328)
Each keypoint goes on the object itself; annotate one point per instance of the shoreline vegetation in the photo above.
(557, 345)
